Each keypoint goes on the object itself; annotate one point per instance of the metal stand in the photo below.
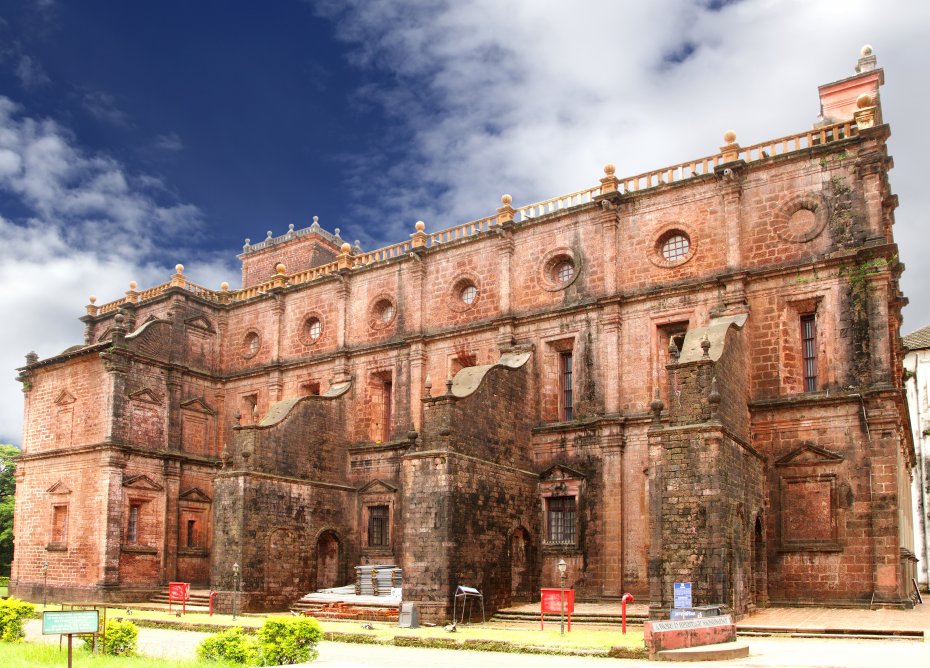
(467, 595)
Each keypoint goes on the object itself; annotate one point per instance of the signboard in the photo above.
(686, 624)
(550, 600)
(682, 595)
(70, 621)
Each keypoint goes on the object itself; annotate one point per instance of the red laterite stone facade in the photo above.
(690, 375)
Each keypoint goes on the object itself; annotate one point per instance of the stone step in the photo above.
(598, 619)
(736, 649)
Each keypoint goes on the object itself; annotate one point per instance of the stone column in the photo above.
(505, 249)
(611, 349)
(613, 443)
(731, 190)
(417, 360)
(111, 478)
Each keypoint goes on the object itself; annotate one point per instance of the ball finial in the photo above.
(280, 268)
(133, 285)
(863, 101)
(346, 248)
(224, 286)
(92, 299)
(610, 169)
(866, 50)
(506, 200)
(729, 136)
(420, 226)
(179, 268)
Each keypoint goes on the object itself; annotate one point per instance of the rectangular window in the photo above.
(377, 526)
(60, 525)
(132, 529)
(809, 351)
(560, 516)
(387, 397)
(565, 385)
(191, 533)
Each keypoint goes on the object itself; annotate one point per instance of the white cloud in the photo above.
(94, 227)
(31, 73)
(532, 97)
(102, 106)
(169, 142)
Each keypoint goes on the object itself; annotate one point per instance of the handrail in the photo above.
(630, 184)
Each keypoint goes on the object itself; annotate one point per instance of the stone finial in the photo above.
(280, 269)
(290, 230)
(865, 113)
(178, 278)
(730, 149)
(336, 233)
(357, 247)
(133, 285)
(418, 238)
(705, 346)
(238, 418)
(657, 405)
(449, 384)
(224, 286)
(673, 351)
(92, 299)
(179, 268)
(119, 322)
(316, 223)
(867, 60)
(344, 259)
(268, 235)
(505, 212)
(609, 182)
(714, 397)
(429, 386)
(32, 357)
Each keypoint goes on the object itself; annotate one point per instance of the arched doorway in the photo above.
(520, 581)
(759, 589)
(327, 561)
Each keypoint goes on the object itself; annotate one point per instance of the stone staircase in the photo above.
(199, 599)
(578, 617)
(371, 612)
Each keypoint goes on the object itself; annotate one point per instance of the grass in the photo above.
(4, 592)
(29, 655)
(580, 637)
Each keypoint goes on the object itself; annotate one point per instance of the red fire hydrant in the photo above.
(627, 598)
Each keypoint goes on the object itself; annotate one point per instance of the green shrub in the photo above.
(120, 638)
(4, 581)
(12, 614)
(229, 645)
(285, 641)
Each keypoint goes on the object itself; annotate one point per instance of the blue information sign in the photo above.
(682, 594)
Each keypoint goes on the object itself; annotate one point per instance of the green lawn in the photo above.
(581, 637)
(28, 655)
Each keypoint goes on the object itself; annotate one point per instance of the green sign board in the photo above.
(70, 621)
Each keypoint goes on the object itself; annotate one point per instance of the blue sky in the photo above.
(135, 135)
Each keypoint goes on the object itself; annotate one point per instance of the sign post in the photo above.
(682, 595)
(70, 623)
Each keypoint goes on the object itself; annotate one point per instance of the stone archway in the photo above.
(521, 586)
(328, 555)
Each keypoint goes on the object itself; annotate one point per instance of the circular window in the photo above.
(312, 330)
(560, 268)
(801, 218)
(381, 312)
(251, 345)
(672, 247)
(675, 247)
(469, 294)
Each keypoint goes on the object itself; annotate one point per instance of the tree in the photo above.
(8, 454)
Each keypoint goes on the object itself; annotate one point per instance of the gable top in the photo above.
(146, 395)
(559, 472)
(198, 404)
(808, 455)
(200, 322)
(195, 494)
(58, 488)
(377, 486)
(142, 481)
(64, 398)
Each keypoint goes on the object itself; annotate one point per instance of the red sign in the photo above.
(179, 591)
(550, 600)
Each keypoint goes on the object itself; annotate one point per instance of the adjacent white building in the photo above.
(917, 386)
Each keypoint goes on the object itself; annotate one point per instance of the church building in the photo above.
(691, 374)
